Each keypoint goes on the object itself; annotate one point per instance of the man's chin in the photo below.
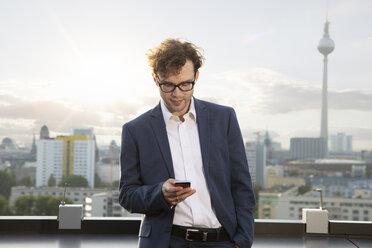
(177, 109)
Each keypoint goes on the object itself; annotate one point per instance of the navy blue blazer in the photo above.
(146, 163)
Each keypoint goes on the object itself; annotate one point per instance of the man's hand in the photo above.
(175, 194)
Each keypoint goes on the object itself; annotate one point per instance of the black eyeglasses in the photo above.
(169, 87)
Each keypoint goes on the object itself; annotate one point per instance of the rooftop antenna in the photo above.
(320, 190)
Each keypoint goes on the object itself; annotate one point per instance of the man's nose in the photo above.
(176, 92)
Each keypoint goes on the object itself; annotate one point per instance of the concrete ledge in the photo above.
(49, 224)
(279, 228)
(351, 228)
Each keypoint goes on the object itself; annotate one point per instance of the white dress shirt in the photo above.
(183, 137)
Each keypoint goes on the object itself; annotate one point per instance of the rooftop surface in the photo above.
(40, 232)
(130, 241)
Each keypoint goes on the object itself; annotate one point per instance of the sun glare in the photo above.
(100, 81)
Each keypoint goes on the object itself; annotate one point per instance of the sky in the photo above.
(83, 64)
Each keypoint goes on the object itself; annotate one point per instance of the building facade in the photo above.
(64, 156)
(250, 151)
(49, 161)
(105, 204)
(341, 143)
(77, 195)
(308, 148)
(256, 156)
(287, 204)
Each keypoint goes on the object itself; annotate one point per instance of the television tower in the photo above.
(325, 47)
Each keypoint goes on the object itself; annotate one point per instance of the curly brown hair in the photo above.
(170, 56)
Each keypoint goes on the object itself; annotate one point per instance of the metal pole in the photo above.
(321, 197)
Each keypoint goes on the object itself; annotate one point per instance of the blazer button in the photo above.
(168, 229)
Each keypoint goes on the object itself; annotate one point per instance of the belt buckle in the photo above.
(188, 231)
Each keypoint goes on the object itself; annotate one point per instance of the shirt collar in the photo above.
(167, 115)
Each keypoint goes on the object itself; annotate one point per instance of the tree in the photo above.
(53, 204)
(99, 184)
(52, 181)
(7, 181)
(4, 206)
(26, 181)
(48, 205)
(303, 189)
(97, 181)
(41, 205)
(293, 173)
(24, 205)
(369, 173)
(74, 181)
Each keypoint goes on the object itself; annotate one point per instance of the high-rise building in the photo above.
(256, 155)
(64, 156)
(44, 132)
(49, 161)
(341, 143)
(83, 131)
(250, 151)
(308, 148)
(87, 131)
(366, 156)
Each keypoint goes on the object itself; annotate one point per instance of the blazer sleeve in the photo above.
(134, 196)
(241, 185)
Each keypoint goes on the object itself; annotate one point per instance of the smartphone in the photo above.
(183, 183)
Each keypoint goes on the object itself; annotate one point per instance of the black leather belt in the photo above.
(200, 235)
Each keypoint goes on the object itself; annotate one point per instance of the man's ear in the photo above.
(154, 78)
(196, 76)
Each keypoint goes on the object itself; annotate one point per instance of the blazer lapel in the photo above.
(158, 127)
(202, 119)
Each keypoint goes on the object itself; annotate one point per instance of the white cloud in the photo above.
(20, 118)
(286, 106)
(261, 90)
(263, 99)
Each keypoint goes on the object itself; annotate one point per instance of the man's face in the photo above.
(177, 101)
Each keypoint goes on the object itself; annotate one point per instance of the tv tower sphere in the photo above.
(326, 44)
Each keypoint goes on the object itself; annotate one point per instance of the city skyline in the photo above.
(77, 63)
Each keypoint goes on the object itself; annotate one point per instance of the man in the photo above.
(184, 138)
